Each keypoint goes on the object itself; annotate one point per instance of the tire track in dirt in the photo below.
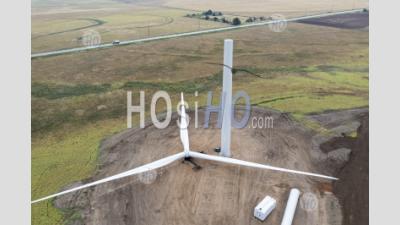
(97, 22)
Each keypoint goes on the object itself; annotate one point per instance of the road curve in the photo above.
(177, 35)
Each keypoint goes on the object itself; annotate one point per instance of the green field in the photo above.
(80, 99)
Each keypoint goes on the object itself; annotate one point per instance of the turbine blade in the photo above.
(184, 134)
(255, 165)
(150, 166)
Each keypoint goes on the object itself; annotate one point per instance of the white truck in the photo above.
(264, 208)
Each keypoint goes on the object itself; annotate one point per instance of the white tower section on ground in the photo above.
(184, 128)
(227, 99)
(291, 207)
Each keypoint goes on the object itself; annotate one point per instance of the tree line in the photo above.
(218, 16)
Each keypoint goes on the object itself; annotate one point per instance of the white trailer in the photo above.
(264, 208)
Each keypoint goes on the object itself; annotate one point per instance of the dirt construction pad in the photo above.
(216, 193)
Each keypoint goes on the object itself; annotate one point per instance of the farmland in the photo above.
(79, 99)
(63, 26)
(57, 31)
(269, 6)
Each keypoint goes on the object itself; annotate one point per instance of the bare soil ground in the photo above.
(347, 21)
(215, 194)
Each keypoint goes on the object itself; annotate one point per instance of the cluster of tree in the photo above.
(215, 16)
(205, 15)
(255, 19)
(212, 13)
(236, 21)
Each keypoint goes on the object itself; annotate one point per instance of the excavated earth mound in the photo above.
(181, 193)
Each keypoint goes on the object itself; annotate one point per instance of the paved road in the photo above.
(107, 45)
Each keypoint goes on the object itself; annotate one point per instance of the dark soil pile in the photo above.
(352, 189)
(346, 21)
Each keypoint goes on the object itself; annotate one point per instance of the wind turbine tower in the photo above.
(227, 99)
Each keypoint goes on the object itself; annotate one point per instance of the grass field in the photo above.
(268, 6)
(59, 25)
(55, 162)
(120, 21)
(79, 99)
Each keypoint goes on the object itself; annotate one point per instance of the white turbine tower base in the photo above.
(227, 99)
(291, 207)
